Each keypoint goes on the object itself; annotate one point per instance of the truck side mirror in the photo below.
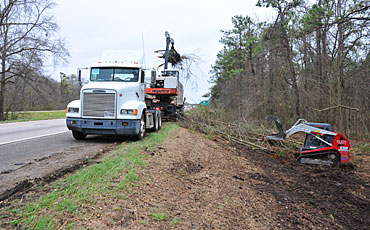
(142, 79)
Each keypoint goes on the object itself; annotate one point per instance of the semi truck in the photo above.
(114, 101)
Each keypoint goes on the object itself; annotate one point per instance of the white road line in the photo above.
(26, 123)
(21, 126)
(29, 138)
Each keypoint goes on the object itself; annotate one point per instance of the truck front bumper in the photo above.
(104, 127)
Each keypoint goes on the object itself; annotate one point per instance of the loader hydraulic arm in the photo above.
(300, 126)
(169, 41)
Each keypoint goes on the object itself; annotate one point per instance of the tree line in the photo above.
(28, 41)
(311, 61)
(40, 95)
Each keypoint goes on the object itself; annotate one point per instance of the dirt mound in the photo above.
(187, 166)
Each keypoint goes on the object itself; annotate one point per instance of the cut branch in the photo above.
(335, 107)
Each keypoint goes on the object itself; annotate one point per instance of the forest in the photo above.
(311, 61)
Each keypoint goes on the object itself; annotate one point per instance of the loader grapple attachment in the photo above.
(280, 136)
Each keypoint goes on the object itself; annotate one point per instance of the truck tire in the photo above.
(141, 133)
(159, 121)
(78, 135)
(156, 123)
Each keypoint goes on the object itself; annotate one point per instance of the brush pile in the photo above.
(176, 60)
(173, 56)
(243, 132)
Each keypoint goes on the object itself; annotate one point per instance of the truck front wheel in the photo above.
(141, 133)
(78, 135)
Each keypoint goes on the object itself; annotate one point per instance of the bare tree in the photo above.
(27, 39)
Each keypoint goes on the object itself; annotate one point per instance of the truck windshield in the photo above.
(115, 74)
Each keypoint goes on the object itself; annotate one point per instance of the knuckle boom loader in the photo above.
(166, 91)
(322, 145)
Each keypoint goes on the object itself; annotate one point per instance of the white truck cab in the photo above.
(113, 102)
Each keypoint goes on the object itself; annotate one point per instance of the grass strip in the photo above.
(35, 116)
(76, 195)
(158, 215)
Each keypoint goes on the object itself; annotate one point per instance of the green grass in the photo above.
(282, 154)
(112, 178)
(34, 116)
(293, 146)
(363, 148)
(175, 221)
(158, 215)
(210, 135)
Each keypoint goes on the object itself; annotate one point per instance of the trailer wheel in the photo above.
(141, 133)
(78, 135)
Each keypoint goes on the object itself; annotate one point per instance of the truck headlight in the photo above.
(73, 110)
(129, 111)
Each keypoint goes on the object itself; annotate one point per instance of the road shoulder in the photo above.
(48, 168)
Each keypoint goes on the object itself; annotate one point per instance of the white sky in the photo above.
(92, 26)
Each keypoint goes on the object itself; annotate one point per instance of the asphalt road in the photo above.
(24, 142)
(19, 131)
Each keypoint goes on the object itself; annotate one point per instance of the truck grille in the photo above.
(98, 105)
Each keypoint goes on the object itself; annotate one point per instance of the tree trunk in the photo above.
(340, 73)
(293, 76)
(2, 88)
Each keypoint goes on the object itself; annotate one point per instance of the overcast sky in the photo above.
(92, 26)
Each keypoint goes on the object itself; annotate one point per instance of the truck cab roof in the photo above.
(119, 64)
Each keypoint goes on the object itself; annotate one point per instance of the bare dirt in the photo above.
(198, 183)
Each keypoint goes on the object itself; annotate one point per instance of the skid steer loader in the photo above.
(321, 145)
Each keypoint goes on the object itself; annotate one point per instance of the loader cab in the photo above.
(168, 79)
(312, 143)
(170, 73)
